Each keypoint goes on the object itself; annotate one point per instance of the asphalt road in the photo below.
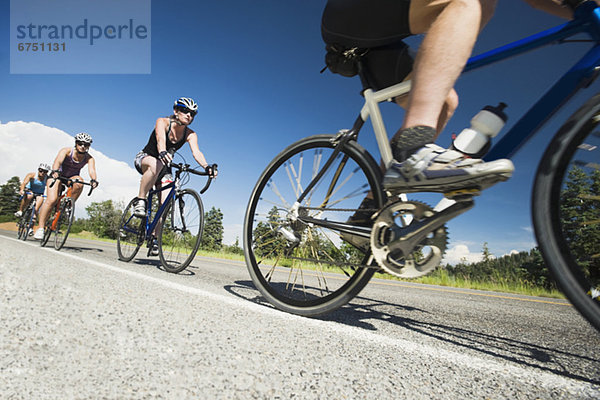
(80, 324)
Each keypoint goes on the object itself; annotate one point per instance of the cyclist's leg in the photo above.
(77, 188)
(45, 210)
(149, 167)
(451, 28)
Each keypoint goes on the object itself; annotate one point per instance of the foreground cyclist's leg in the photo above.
(451, 28)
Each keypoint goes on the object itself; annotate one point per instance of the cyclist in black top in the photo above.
(169, 134)
(451, 28)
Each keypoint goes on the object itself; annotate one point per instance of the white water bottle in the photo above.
(476, 140)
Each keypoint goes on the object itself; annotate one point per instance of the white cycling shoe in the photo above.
(39, 234)
(435, 169)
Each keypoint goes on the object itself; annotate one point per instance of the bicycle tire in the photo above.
(47, 230)
(131, 234)
(63, 226)
(180, 231)
(21, 227)
(28, 222)
(563, 223)
(322, 288)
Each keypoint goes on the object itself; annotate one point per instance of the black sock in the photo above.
(406, 141)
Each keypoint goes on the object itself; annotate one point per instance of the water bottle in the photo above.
(476, 140)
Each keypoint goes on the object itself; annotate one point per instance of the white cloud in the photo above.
(461, 253)
(24, 145)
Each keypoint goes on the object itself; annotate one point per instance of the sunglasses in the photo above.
(42, 171)
(186, 110)
(84, 144)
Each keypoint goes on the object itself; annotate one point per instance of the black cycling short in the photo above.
(380, 26)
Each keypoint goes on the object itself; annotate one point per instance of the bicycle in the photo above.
(27, 220)
(64, 213)
(304, 214)
(179, 223)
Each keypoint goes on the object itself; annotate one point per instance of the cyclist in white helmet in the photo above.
(33, 185)
(169, 135)
(68, 163)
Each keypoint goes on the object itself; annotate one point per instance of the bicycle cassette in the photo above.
(401, 244)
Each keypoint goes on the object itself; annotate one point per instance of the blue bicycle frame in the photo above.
(150, 226)
(586, 20)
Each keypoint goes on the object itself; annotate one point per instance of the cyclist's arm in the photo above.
(92, 169)
(192, 140)
(160, 129)
(60, 157)
(28, 178)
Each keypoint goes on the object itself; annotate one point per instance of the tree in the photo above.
(266, 241)
(212, 238)
(9, 196)
(104, 219)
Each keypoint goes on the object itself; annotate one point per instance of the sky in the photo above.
(253, 68)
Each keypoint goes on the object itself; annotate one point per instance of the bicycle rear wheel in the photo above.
(307, 268)
(180, 231)
(566, 209)
(132, 233)
(63, 225)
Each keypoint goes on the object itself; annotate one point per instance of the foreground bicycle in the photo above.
(304, 210)
(27, 220)
(179, 222)
(64, 212)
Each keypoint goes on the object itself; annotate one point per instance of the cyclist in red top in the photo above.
(68, 163)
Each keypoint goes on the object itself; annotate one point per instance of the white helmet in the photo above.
(83, 137)
(44, 166)
(187, 103)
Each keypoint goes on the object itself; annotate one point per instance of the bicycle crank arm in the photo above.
(364, 231)
(406, 239)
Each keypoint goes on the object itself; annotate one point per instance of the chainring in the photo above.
(391, 222)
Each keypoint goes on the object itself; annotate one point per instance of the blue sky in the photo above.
(254, 69)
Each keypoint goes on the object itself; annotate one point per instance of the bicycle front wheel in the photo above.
(311, 268)
(27, 223)
(22, 227)
(566, 209)
(180, 231)
(47, 230)
(63, 226)
(132, 233)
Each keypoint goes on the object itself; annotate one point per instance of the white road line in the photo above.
(542, 378)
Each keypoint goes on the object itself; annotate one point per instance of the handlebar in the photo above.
(69, 182)
(186, 168)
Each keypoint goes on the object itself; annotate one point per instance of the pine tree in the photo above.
(9, 196)
(212, 238)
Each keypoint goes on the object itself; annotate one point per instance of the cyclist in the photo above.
(169, 135)
(68, 163)
(33, 185)
(451, 28)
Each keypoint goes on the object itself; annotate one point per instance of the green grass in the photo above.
(440, 277)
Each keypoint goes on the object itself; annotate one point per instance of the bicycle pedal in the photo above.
(462, 194)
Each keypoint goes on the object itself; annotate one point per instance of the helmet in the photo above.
(83, 137)
(44, 166)
(187, 103)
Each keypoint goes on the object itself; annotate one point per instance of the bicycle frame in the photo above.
(586, 20)
(157, 216)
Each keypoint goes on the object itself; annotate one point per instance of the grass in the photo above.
(440, 277)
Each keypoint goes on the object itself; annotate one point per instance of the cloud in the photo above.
(461, 253)
(27, 144)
